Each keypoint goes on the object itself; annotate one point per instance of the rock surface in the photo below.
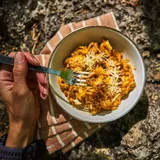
(28, 25)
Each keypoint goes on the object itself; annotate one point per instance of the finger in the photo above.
(20, 72)
(6, 76)
(42, 78)
(31, 59)
(43, 84)
(43, 96)
(6, 81)
(43, 91)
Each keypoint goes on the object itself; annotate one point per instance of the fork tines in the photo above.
(81, 74)
(80, 78)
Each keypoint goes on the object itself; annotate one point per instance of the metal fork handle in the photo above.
(10, 61)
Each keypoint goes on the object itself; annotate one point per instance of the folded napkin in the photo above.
(59, 130)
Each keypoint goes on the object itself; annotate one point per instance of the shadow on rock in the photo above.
(112, 134)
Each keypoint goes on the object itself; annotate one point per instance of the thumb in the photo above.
(20, 70)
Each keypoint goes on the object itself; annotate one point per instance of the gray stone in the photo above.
(136, 136)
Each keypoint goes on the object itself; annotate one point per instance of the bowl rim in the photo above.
(144, 68)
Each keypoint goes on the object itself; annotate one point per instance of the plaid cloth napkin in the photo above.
(59, 130)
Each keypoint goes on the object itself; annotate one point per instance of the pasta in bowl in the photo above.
(113, 87)
(110, 79)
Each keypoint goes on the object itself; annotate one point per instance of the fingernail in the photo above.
(35, 60)
(45, 96)
(19, 58)
(46, 79)
(45, 91)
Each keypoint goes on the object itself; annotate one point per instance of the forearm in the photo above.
(20, 133)
(19, 137)
(20, 144)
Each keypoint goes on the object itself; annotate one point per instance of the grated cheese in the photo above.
(114, 79)
(113, 71)
(92, 58)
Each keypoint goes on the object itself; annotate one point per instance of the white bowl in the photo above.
(122, 44)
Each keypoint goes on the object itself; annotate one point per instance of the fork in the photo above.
(71, 77)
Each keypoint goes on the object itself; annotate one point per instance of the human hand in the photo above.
(20, 92)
